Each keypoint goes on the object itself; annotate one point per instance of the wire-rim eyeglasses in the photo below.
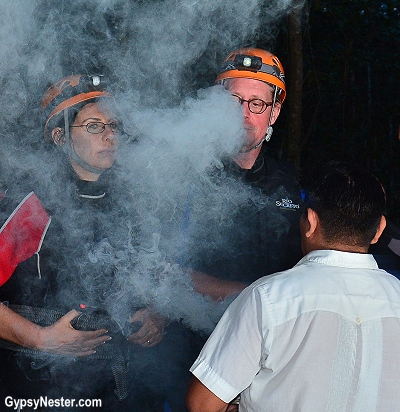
(99, 127)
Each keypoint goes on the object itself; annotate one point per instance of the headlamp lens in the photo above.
(243, 62)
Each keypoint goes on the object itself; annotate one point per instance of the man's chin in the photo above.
(248, 147)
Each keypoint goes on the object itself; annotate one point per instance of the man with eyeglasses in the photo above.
(264, 235)
(256, 79)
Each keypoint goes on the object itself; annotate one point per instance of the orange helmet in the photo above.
(255, 64)
(69, 92)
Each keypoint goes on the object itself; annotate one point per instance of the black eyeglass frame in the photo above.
(265, 105)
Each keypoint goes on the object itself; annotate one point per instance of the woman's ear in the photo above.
(57, 134)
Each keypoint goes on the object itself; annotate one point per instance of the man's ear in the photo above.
(381, 228)
(313, 222)
(57, 134)
(275, 113)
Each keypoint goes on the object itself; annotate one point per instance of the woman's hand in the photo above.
(62, 339)
(152, 331)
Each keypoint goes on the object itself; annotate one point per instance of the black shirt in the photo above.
(248, 223)
(92, 223)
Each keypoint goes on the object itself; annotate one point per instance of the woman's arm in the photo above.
(60, 338)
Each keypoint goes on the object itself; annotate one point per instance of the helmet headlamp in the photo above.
(244, 62)
(254, 64)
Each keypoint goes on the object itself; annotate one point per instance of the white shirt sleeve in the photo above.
(233, 354)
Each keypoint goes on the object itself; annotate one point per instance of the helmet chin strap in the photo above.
(268, 135)
(266, 138)
(68, 149)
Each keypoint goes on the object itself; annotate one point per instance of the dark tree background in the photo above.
(348, 101)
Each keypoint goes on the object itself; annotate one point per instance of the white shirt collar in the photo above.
(341, 259)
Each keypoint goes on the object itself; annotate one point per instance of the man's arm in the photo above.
(200, 399)
(214, 287)
(230, 359)
(60, 338)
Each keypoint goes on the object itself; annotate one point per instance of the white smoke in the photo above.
(16, 27)
(156, 50)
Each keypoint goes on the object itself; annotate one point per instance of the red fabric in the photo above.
(22, 234)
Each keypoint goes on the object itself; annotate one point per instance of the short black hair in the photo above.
(348, 199)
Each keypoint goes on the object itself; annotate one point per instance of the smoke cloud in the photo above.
(157, 54)
(161, 59)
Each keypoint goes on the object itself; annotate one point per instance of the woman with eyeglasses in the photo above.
(71, 331)
(84, 126)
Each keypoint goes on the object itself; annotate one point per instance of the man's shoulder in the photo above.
(325, 269)
(278, 180)
(305, 270)
(268, 170)
(310, 288)
(280, 166)
(387, 250)
(276, 281)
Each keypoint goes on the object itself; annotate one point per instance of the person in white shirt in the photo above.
(322, 336)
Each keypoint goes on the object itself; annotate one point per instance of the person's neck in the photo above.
(84, 174)
(246, 160)
(340, 248)
(352, 249)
